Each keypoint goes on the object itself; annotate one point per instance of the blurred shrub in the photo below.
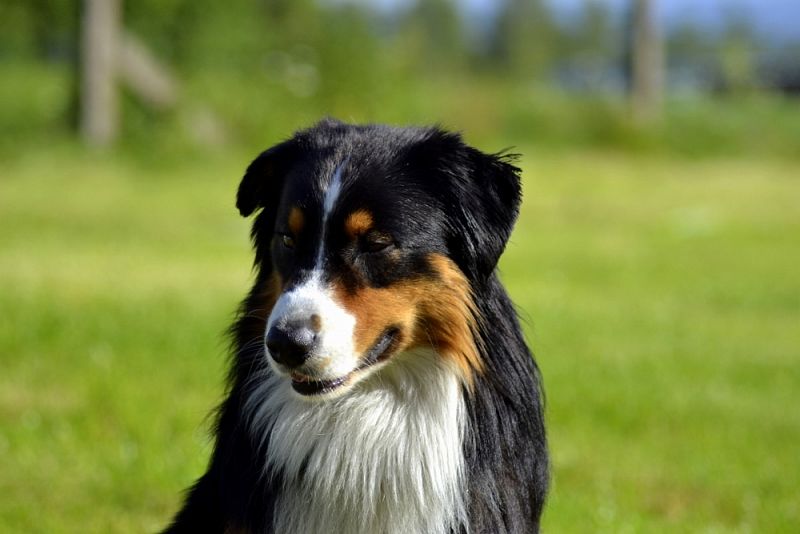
(252, 71)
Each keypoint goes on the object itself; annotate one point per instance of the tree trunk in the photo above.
(99, 103)
(647, 62)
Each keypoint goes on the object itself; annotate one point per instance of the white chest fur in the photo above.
(385, 458)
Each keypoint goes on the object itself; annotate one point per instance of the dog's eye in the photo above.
(288, 241)
(376, 242)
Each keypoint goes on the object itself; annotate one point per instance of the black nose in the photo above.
(290, 345)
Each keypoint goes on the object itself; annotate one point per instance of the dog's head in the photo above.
(372, 241)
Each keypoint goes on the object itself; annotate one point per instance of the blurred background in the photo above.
(655, 263)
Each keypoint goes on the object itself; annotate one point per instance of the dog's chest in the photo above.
(387, 458)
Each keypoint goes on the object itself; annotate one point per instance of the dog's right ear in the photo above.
(263, 181)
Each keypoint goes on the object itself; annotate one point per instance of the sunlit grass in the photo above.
(661, 297)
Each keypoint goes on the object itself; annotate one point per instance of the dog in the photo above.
(380, 382)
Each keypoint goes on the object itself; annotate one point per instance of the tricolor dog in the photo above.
(380, 381)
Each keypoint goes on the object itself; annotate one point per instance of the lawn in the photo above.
(661, 296)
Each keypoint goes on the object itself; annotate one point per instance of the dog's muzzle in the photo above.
(292, 344)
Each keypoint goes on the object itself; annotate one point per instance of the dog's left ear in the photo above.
(484, 194)
(263, 181)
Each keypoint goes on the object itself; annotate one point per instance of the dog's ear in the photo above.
(489, 199)
(263, 181)
(483, 192)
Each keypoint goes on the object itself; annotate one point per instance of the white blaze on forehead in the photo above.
(332, 193)
(331, 196)
(333, 355)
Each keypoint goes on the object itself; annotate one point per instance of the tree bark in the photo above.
(99, 120)
(647, 62)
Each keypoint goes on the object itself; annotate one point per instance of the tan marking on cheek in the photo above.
(358, 223)
(438, 313)
(377, 309)
(296, 221)
(448, 318)
(316, 322)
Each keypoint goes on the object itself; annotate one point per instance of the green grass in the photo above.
(662, 298)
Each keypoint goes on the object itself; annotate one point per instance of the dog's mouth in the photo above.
(305, 385)
(380, 352)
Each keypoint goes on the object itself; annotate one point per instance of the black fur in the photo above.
(457, 202)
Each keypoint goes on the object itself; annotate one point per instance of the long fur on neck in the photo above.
(385, 458)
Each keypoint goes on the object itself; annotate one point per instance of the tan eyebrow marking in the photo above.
(358, 223)
(296, 220)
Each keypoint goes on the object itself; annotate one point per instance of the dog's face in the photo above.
(371, 241)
